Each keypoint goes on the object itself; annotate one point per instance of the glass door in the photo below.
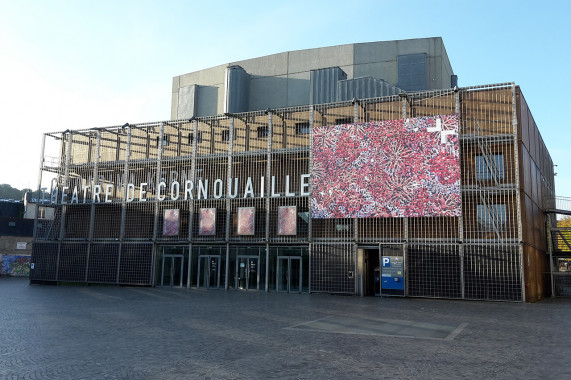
(172, 267)
(208, 271)
(247, 274)
(172, 270)
(289, 274)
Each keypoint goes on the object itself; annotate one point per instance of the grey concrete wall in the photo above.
(282, 80)
(9, 244)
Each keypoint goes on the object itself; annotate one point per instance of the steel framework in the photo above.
(117, 185)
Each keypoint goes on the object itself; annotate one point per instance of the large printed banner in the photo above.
(395, 168)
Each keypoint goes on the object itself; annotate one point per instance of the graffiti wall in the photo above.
(13, 265)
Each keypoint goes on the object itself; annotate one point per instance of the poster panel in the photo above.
(171, 222)
(246, 218)
(395, 168)
(287, 220)
(207, 222)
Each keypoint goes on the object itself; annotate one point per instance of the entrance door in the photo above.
(247, 274)
(173, 270)
(289, 274)
(369, 270)
(208, 271)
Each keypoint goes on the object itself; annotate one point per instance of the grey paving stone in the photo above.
(105, 332)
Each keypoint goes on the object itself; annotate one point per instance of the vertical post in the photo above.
(460, 218)
(358, 276)
(39, 187)
(228, 200)
(191, 200)
(309, 200)
(405, 220)
(95, 181)
(125, 183)
(69, 140)
(517, 191)
(267, 198)
(157, 208)
(68, 137)
(550, 250)
(124, 200)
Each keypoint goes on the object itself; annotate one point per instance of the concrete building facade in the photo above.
(314, 76)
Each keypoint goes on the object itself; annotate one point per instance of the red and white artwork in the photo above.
(207, 222)
(287, 220)
(395, 168)
(171, 222)
(246, 219)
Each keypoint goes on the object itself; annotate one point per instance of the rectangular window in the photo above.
(302, 128)
(263, 132)
(412, 72)
(191, 138)
(345, 120)
(226, 135)
(491, 217)
(165, 140)
(490, 166)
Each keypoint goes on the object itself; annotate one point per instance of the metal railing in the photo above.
(558, 205)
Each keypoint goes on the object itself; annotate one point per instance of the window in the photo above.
(496, 168)
(263, 132)
(491, 217)
(412, 72)
(302, 128)
(165, 140)
(191, 138)
(345, 120)
(226, 135)
(41, 212)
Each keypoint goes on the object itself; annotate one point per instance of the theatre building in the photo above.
(357, 169)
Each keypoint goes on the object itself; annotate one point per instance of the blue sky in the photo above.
(80, 64)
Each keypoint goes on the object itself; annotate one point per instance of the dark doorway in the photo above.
(371, 272)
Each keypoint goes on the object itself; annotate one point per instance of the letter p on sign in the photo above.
(386, 261)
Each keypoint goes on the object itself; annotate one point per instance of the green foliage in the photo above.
(565, 222)
(564, 236)
(9, 192)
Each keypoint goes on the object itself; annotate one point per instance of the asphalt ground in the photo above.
(109, 332)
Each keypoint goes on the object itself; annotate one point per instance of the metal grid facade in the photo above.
(117, 184)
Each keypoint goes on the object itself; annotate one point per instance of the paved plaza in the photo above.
(108, 332)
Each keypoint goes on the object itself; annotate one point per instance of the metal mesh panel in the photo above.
(434, 271)
(103, 261)
(107, 224)
(380, 230)
(433, 229)
(72, 262)
(136, 264)
(117, 183)
(492, 273)
(139, 221)
(77, 221)
(48, 229)
(290, 128)
(562, 285)
(332, 268)
(44, 258)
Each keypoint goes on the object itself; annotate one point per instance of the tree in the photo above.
(565, 222)
(9, 192)
(564, 237)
